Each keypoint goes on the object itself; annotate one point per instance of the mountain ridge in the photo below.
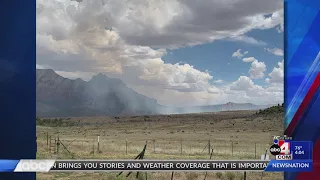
(58, 96)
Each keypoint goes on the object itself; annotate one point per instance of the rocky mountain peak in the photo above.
(102, 95)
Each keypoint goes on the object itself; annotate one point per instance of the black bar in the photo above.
(158, 165)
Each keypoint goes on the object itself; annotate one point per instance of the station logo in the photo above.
(281, 149)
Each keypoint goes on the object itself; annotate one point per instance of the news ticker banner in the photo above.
(153, 165)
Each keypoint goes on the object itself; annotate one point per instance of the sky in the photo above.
(180, 52)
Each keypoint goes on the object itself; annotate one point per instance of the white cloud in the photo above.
(244, 83)
(246, 39)
(257, 69)
(274, 19)
(127, 40)
(277, 75)
(249, 59)
(275, 51)
(219, 81)
(239, 54)
(213, 90)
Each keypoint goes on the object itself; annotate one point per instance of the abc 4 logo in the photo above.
(282, 148)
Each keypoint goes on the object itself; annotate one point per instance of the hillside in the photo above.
(272, 110)
(59, 96)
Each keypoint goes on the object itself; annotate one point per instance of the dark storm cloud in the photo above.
(199, 20)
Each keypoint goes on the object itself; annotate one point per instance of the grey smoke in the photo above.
(105, 96)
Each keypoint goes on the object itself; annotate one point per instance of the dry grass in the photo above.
(165, 135)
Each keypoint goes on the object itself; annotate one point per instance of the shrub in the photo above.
(54, 122)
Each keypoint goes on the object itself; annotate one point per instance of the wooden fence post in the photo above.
(264, 158)
(181, 146)
(205, 176)
(98, 150)
(154, 146)
(58, 144)
(140, 156)
(245, 175)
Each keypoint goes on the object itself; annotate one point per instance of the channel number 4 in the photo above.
(285, 147)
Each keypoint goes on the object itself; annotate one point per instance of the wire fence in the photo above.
(226, 149)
